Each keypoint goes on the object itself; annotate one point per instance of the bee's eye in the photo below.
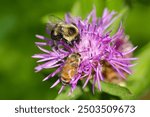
(71, 31)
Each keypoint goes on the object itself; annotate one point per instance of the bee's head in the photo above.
(55, 32)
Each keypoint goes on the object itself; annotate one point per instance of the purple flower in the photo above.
(99, 52)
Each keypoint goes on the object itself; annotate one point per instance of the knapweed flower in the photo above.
(102, 56)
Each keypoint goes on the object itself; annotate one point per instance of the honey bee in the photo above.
(69, 69)
(111, 75)
(59, 29)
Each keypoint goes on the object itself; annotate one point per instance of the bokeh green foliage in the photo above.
(21, 20)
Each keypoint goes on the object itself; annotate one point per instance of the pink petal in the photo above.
(58, 81)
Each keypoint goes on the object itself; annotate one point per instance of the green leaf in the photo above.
(64, 94)
(116, 90)
(139, 15)
(139, 82)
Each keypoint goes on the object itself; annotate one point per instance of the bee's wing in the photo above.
(52, 21)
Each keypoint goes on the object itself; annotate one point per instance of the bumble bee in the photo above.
(59, 29)
(70, 67)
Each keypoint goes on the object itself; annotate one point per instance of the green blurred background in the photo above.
(20, 20)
